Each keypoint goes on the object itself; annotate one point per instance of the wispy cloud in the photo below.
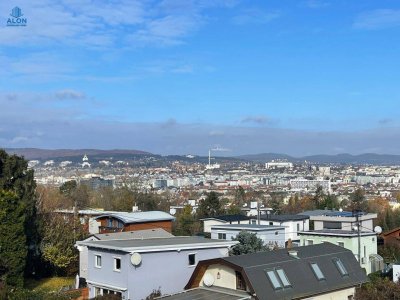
(385, 121)
(261, 119)
(378, 19)
(69, 94)
(255, 16)
(317, 3)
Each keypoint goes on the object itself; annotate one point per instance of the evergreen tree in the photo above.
(185, 222)
(248, 243)
(15, 177)
(13, 248)
(210, 207)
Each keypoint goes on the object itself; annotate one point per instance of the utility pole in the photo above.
(258, 213)
(358, 235)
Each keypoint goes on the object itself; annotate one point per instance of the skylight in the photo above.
(339, 264)
(278, 278)
(274, 280)
(283, 277)
(317, 271)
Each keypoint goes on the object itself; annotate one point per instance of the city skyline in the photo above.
(178, 77)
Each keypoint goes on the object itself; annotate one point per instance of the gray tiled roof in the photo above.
(298, 270)
(208, 294)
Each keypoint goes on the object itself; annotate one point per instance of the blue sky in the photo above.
(182, 76)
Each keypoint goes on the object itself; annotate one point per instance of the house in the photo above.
(86, 217)
(222, 220)
(343, 220)
(126, 235)
(134, 268)
(272, 236)
(348, 239)
(391, 237)
(131, 221)
(292, 223)
(323, 271)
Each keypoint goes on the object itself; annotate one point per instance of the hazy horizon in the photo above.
(176, 77)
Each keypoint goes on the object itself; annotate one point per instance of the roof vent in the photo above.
(293, 253)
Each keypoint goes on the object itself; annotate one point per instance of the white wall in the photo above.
(290, 227)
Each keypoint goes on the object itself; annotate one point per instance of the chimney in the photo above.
(293, 253)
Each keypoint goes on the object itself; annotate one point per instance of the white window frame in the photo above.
(95, 261)
(115, 264)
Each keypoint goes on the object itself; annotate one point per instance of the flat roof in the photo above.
(283, 218)
(248, 227)
(337, 232)
(138, 234)
(157, 244)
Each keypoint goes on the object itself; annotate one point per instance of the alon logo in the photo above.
(16, 20)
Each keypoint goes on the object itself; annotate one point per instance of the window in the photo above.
(222, 236)
(117, 264)
(253, 221)
(282, 276)
(310, 242)
(317, 271)
(274, 279)
(97, 261)
(192, 259)
(110, 223)
(240, 283)
(341, 244)
(340, 266)
(271, 223)
(298, 227)
(332, 225)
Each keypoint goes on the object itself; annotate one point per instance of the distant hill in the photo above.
(344, 158)
(35, 153)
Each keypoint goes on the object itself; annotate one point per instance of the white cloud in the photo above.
(255, 16)
(378, 19)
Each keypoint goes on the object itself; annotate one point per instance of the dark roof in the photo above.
(390, 231)
(283, 218)
(298, 271)
(213, 293)
(230, 218)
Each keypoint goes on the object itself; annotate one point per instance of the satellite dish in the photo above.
(208, 279)
(378, 229)
(172, 211)
(136, 259)
(340, 209)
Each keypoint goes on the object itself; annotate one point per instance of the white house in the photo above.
(223, 220)
(292, 224)
(271, 235)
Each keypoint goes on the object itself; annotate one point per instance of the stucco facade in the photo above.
(368, 244)
(164, 269)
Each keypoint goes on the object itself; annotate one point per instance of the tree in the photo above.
(210, 207)
(13, 248)
(58, 244)
(378, 289)
(185, 222)
(15, 177)
(248, 243)
(240, 196)
(233, 210)
(68, 187)
(357, 200)
(276, 202)
(318, 198)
